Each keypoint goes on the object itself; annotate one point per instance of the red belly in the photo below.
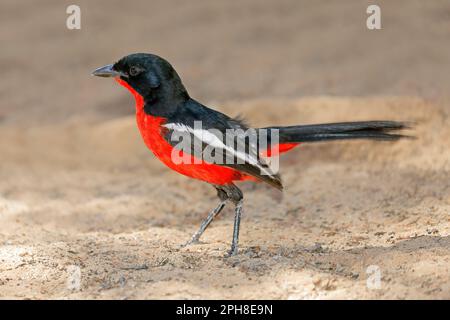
(152, 133)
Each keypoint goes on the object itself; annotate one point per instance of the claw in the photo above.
(192, 241)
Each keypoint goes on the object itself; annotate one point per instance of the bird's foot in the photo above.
(233, 252)
(190, 242)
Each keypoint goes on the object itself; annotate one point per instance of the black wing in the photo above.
(216, 138)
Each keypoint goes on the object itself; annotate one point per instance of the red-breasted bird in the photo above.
(164, 107)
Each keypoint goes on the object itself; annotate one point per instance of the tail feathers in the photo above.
(376, 130)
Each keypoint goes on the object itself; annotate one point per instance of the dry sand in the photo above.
(78, 188)
(98, 200)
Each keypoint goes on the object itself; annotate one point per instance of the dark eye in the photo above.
(134, 71)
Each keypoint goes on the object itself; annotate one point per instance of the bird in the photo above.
(165, 113)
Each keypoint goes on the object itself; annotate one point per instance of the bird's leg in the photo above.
(236, 196)
(196, 236)
(223, 196)
(237, 222)
(224, 192)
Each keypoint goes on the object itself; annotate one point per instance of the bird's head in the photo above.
(149, 75)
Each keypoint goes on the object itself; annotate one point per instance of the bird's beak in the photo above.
(106, 71)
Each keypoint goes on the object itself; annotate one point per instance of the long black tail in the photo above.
(377, 130)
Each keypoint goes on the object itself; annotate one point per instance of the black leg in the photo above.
(237, 222)
(225, 193)
(206, 223)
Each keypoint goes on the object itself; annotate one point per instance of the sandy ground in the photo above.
(81, 198)
(97, 200)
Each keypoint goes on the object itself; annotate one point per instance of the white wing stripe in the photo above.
(212, 140)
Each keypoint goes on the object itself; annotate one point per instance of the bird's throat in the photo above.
(139, 99)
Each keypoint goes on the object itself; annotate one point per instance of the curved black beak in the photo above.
(106, 71)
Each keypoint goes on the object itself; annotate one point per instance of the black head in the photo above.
(151, 76)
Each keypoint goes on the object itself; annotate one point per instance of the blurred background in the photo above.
(80, 191)
(223, 50)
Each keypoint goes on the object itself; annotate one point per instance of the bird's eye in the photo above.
(134, 71)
